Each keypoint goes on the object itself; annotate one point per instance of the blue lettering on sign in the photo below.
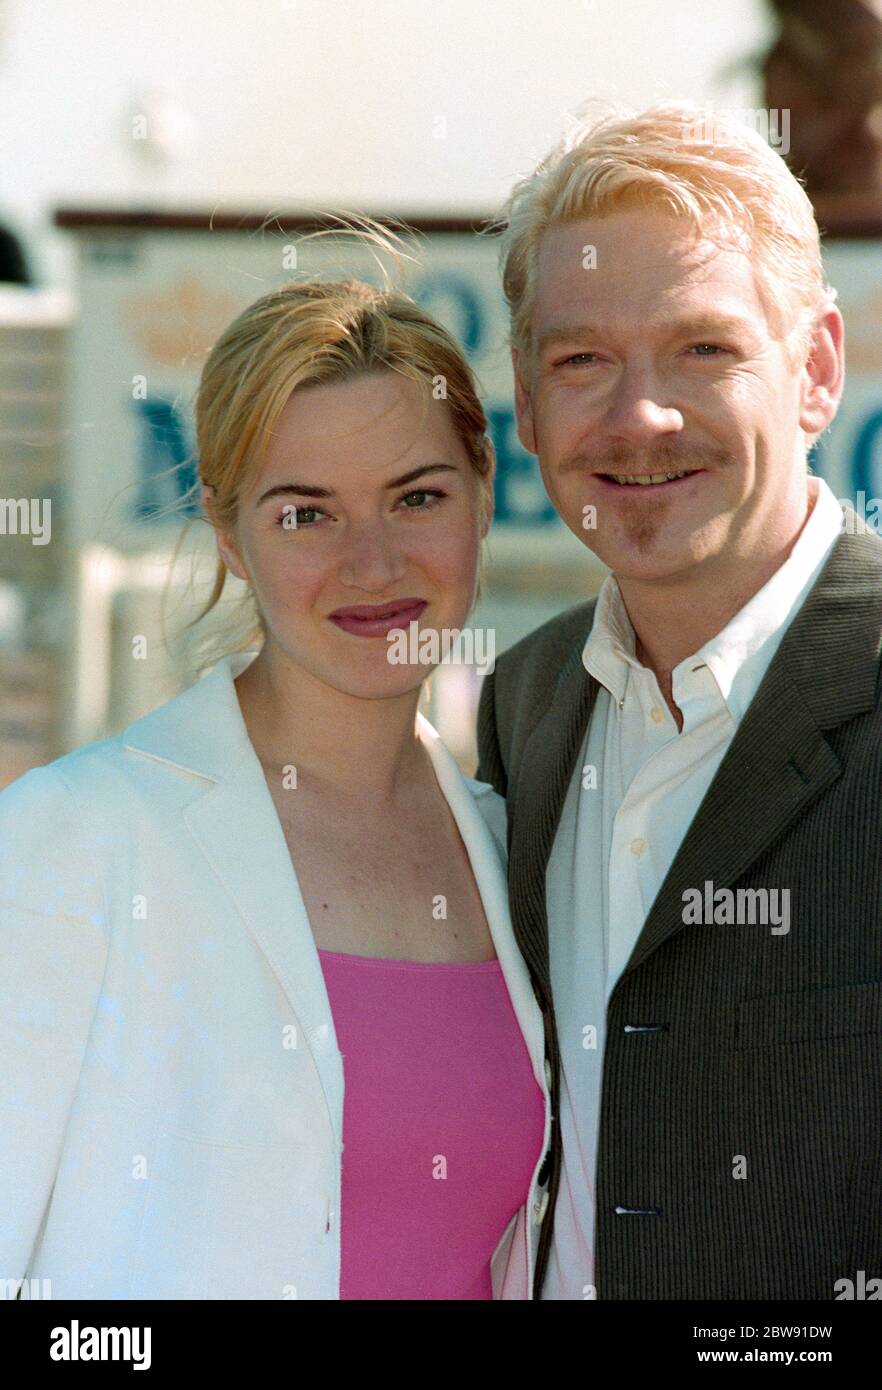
(867, 456)
(521, 499)
(856, 463)
(162, 446)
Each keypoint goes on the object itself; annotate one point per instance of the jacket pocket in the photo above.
(846, 1011)
(802, 1107)
(234, 1221)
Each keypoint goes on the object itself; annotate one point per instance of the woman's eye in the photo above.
(421, 494)
(293, 518)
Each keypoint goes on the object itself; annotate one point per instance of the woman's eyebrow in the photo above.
(309, 490)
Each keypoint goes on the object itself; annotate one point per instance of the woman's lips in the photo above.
(375, 620)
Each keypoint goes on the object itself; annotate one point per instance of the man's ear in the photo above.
(823, 375)
(226, 545)
(523, 404)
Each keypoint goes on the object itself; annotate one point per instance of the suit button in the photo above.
(540, 1208)
(548, 1074)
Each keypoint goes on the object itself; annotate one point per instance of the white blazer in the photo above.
(171, 1090)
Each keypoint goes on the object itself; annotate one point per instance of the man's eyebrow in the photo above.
(309, 490)
(697, 323)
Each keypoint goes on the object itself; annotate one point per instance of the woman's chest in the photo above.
(386, 888)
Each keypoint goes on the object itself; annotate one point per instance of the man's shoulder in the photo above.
(540, 655)
(523, 685)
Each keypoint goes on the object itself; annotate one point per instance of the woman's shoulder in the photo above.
(196, 731)
(49, 787)
(48, 860)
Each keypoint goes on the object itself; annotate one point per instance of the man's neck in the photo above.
(673, 620)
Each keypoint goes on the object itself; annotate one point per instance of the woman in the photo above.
(266, 1032)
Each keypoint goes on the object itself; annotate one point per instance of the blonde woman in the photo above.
(266, 1031)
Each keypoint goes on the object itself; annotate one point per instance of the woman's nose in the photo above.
(372, 558)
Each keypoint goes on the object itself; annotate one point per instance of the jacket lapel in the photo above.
(824, 673)
(234, 823)
(546, 768)
(490, 876)
(236, 826)
(777, 763)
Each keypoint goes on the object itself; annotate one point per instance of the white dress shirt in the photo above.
(637, 786)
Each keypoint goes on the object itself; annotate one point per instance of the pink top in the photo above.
(442, 1124)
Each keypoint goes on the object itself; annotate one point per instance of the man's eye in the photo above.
(706, 349)
(293, 518)
(576, 355)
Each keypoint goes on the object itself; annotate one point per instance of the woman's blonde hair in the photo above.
(708, 167)
(315, 333)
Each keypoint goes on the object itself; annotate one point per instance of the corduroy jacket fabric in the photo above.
(766, 1054)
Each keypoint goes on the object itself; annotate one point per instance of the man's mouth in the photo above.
(647, 479)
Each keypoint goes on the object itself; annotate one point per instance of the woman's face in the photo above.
(365, 517)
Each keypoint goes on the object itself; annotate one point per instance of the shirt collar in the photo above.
(741, 653)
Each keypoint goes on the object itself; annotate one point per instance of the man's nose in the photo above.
(637, 411)
(372, 558)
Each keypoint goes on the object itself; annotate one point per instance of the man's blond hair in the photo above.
(706, 166)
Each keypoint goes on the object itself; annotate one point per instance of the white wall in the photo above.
(400, 105)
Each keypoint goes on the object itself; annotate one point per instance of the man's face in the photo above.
(661, 360)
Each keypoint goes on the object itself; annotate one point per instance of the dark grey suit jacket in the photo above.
(765, 1046)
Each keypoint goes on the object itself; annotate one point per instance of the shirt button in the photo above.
(637, 846)
(539, 1208)
(548, 1076)
(658, 714)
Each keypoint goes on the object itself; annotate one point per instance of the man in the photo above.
(693, 762)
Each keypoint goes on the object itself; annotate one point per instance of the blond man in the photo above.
(693, 762)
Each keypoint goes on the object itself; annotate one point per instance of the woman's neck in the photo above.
(339, 743)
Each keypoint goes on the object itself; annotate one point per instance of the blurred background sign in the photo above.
(850, 455)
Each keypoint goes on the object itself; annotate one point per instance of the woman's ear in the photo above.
(226, 545)
(487, 487)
